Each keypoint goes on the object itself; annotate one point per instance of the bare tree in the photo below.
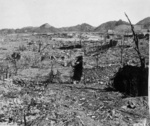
(136, 40)
(142, 59)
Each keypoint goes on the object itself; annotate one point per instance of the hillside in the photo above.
(127, 28)
(46, 25)
(109, 25)
(123, 28)
(26, 29)
(42, 29)
(79, 28)
(145, 23)
(46, 28)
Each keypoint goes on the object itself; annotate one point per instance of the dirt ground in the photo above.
(26, 99)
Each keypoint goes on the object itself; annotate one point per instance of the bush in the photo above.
(30, 59)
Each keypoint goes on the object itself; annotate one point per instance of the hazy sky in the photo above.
(58, 13)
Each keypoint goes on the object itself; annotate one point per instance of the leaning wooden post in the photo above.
(149, 78)
(136, 40)
(121, 51)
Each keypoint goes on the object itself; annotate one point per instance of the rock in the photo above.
(141, 122)
(131, 105)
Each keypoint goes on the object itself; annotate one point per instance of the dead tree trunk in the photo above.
(136, 40)
(149, 83)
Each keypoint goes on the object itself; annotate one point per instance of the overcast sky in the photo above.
(60, 13)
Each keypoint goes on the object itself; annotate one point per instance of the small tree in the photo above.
(14, 58)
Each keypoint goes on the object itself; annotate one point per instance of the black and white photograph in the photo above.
(74, 63)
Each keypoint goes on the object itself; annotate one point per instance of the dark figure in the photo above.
(78, 67)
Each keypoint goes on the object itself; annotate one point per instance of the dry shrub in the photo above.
(22, 48)
(30, 59)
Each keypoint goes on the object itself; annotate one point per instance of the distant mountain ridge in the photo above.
(120, 26)
(48, 28)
